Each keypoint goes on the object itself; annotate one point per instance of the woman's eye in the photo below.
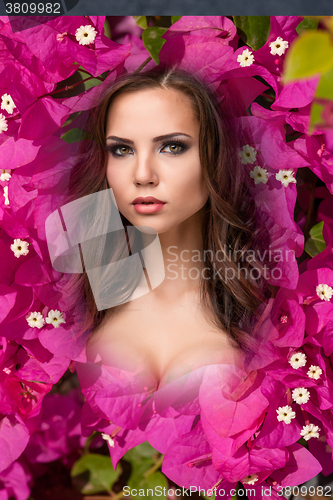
(173, 148)
(122, 150)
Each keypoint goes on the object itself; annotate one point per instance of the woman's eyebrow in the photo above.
(119, 139)
(156, 139)
(169, 136)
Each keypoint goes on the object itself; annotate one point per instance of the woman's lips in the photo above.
(147, 205)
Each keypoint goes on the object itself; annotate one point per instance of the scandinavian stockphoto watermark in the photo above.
(179, 263)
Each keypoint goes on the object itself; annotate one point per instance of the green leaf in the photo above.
(316, 243)
(310, 54)
(149, 484)
(212, 497)
(138, 470)
(315, 116)
(94, 473)
(308, 23)
(253, 30)
(73, 135)
(142, 450)
(141, 21)
(325, 85)
(174, 19)
(93, 82)
(153, 41)
(107, 28)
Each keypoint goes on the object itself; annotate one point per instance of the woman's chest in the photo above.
(168, 343)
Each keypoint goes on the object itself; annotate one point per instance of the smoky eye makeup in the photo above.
(167, 145)
(175, 147)
(119, 150)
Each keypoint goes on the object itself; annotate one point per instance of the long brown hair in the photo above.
(231, 227)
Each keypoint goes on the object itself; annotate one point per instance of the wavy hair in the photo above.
(231, 227)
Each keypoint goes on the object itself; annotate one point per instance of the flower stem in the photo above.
(142, 65)
(155, 467)
(88, 443)
(70, 87)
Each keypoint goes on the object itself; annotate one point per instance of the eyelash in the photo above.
(113, 148)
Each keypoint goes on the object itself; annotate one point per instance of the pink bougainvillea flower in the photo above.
(274, 433)
(288, 318)
(275, 151)
(211, 26)
(59, 432)
(14, 437)
(320, 160)
(236, 396)
(318, 312)
(19, 45)
(161, 432)
(249, 460)
(17, 152)
(187, 53)
(60, 56)
(188, 461)
(323, 452)
(138, 54)
(300, 467)
(296, 95)
(14, 482)
(42, 119)
(282, 28)
(71, 337)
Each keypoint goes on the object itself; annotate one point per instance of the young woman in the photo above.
(168, 153)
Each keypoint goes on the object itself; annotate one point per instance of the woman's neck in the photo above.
(182, 249)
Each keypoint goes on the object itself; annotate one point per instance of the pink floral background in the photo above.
(270, 426)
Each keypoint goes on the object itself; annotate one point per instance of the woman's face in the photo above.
(153, 143)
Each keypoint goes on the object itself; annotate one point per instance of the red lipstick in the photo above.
(147, 205)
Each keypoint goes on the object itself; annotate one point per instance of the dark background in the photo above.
(205, 7)
(193, 7)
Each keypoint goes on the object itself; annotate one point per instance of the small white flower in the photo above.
(259, 175)
(55, 318)
(3, 124)
(324, 292)
(314, 372)
(285, 414)
(35, 320)
(8, 371)
(286, 177)
(5, 193)
(297, 360)
(310, 431)
(251, 479)
(279, 46)
(85, 34)
(248, 154)
(300, 395)
(246, 58)
(7, 103)
(19, 247)
(108, 438)
(5, 174)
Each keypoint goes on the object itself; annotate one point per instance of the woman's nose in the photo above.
(145, 170)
